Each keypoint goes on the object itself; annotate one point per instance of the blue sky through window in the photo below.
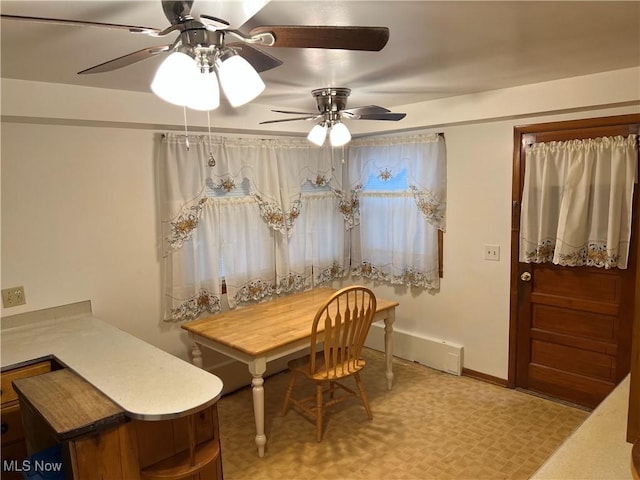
(397, 182)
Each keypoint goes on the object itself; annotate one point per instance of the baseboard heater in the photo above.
(432, 352)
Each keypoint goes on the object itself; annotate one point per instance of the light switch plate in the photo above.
(492, 252)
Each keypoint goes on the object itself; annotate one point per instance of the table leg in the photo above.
(388, 345)
(196, 355)
(257, 369)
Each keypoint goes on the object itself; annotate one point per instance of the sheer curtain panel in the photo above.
(244, 218)
(577, 202)
(397, 205)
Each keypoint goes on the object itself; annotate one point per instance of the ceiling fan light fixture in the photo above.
(173, 74)
(238, 79)
(339, 135)
(204, 93)
(185, 81)
(318, 134)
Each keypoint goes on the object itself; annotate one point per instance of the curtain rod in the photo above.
(164, 135)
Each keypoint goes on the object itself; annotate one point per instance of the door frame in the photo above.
(520, 133)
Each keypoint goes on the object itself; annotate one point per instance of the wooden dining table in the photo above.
(263, 332)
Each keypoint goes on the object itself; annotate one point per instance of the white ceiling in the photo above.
(435, 50)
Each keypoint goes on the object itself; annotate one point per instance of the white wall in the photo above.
(79, 221)
(472, 307)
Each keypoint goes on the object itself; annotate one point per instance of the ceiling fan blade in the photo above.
(82, 23)
(215, 19)
(258, 59)
(289, 119)
(168, 30)
(293, 113)
(346, 38)
(368, 109)
(126, 59)
(381, 116)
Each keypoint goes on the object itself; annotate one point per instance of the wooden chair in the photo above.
(341, 325)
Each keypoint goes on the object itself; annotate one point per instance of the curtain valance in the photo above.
(419, 159)
(273, 169)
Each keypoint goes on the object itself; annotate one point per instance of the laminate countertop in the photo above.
(146, 382)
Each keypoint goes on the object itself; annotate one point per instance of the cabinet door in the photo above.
(14, 449)
(12, 430)
(110, 454)
(12, 456)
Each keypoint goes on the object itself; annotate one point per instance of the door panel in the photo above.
(573, 388)
(568, 322)
(570, 326)
(573, 360)
(576, 284)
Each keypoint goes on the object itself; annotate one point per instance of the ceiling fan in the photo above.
(202, 39)
(332, 103)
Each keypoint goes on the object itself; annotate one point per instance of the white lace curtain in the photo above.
(397, 205)
(577, 202)
(246, 219)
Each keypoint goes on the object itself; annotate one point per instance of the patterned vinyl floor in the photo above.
(431, 425)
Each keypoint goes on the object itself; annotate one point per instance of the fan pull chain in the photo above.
(186, 133)
(212, 160)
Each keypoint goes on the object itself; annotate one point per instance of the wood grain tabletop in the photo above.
(262, 327)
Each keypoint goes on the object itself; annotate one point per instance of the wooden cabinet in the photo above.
(14, 449)
(186, 447)
(100, 442)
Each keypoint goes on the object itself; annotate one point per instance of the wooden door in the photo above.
(571, 327)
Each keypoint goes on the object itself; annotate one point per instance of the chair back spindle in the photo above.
(342, 323)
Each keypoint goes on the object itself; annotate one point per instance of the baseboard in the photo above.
(432, 352)
(484, 377)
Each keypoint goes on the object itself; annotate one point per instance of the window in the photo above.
(273, 217)
(265, 218)
(315, 246)
(400, 188)
(318, 242)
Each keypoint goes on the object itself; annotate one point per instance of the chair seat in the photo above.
(303, 365)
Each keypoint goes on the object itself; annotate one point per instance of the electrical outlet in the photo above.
(492, 252)
(12, 297)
